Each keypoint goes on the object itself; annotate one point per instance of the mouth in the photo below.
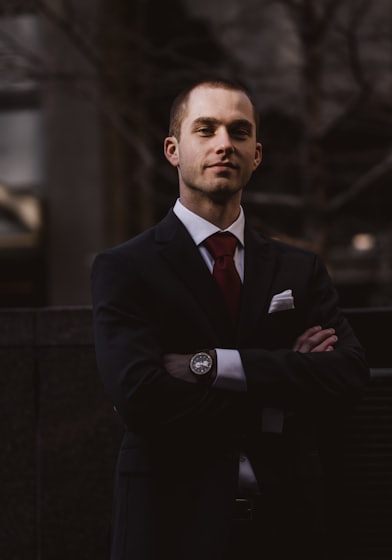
(223, 165)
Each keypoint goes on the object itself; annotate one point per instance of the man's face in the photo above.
(217, 151)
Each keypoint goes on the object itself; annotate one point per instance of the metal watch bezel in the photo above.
(207, 357)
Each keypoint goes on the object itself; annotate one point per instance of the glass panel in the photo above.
(21, 148)
(19, 47)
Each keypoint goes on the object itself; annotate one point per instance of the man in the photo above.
(207, 379)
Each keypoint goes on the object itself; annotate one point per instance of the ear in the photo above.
(258, 156)
(170, 148)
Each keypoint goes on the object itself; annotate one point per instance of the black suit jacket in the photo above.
(154, 295)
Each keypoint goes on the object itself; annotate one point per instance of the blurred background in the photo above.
(85, 90)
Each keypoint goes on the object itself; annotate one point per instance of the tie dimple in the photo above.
(221, 245)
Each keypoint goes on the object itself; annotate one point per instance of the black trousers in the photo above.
(279, 527)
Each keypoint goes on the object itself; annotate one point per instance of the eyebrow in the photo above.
(213, 121)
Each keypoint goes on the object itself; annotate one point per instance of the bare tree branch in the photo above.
(71, 30)
(19, 49)
(356, 66)
(328, 17)
(365, 182)
(311, 24)
(102, 85)
(109, 110)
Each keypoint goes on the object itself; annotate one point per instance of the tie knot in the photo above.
(221, 244)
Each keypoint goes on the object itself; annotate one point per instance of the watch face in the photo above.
(201, 363)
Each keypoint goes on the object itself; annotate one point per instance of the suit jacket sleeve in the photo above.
(131, 336)
(129, 356)
(299, 381)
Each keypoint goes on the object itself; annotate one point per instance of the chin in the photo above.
(224, 193)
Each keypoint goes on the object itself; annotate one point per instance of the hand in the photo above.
(177, 365)
(316, 339)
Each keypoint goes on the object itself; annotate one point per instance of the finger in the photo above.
(321, 337)
(326, 345)
(317, 342)
(305, 336)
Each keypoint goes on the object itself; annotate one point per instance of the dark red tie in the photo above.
(222, 247)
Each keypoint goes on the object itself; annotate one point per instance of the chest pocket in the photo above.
(280, 329)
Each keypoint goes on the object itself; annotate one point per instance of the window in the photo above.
(21, 164)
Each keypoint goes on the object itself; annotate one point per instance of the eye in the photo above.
(240, 132)
(205, 130)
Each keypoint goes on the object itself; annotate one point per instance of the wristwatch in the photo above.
(201, 365)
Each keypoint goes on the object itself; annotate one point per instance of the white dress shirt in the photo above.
(230, 372)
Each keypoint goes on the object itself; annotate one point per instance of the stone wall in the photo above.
(60, 438)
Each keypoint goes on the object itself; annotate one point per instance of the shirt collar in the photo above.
(199, 228)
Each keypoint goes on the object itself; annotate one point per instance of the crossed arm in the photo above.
(150, 390)
(315, 339)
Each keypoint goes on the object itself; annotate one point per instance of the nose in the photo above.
(224, 144)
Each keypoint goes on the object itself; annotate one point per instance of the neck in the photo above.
(221, 215)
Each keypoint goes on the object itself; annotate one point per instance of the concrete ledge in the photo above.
(60, 438)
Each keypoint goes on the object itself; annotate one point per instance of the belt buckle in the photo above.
(244, 509)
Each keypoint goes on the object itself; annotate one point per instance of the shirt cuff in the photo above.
(230, 372)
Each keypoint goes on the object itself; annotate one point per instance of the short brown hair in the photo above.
(179, 104)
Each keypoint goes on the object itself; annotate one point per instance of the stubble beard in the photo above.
(218, 194)
(219, 190)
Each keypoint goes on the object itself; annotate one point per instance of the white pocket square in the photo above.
(282, 301)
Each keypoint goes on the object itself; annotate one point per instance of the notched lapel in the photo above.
(177, 247)
(259, 271)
